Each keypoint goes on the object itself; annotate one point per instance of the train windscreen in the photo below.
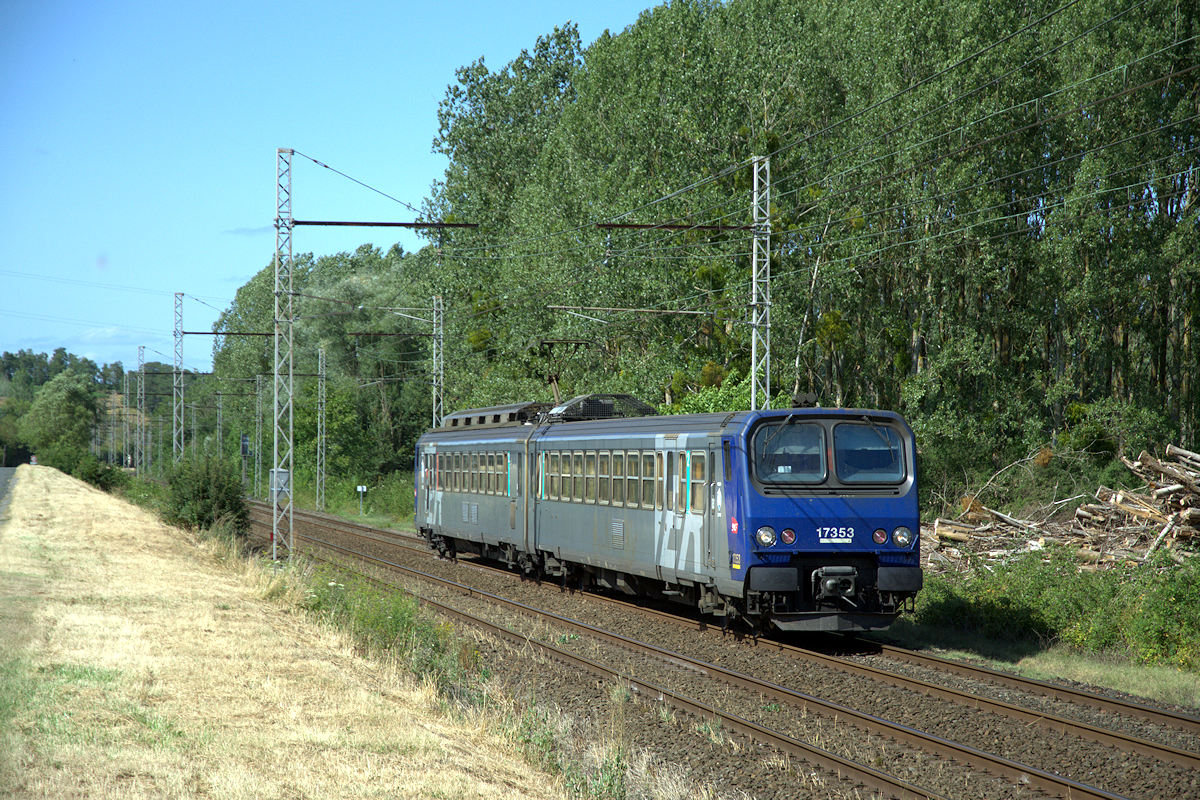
(867, 453)
(787, 453)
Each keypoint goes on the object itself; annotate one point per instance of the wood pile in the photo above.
(1123, 526)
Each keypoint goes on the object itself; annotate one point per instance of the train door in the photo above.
(692, 500)
(515, 485)
(533, 489)
(686, 534)
(666, 533)
(713, 511)
(427, 468)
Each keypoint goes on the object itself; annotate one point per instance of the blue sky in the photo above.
(139, 145)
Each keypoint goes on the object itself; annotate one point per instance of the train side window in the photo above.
(698, 494)
(618, 484)
(577, 471)
(489, 474)
(647, 480)
(728, 454)
(605, 490)
(681, 485)
(553, 471)
(658, 483)
(632, 492)
(566, 476)
(589, 469)
(541, 479)
(669, 482)
(454, 461)
(514, 475)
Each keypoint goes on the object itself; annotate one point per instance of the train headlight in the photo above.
(880, 536)
(902, 537)
(765, 536)
(787, 536)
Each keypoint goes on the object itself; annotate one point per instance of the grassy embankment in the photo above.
(135, 666)
(391, 625)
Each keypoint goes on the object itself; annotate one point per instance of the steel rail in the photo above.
(1177, 756)
(1058, 723)
(1068, 694)
(1123, 741)
(1018, 773)
(842, 767)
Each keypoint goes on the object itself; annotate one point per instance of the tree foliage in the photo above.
(982, 215)
(59, 422)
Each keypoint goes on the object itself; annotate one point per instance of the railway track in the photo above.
(943, 748)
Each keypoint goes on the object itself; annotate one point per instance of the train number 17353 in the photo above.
(835, 534)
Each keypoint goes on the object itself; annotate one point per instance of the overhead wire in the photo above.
(742, 164)
(652, 248)
(409, 206)
(949, 103)
(777, 184)
(1024, 213)
(464, 253)
(629, 323)
(657, 245)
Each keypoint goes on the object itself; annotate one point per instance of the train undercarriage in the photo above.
(833, 599)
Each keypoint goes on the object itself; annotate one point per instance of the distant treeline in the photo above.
(983, 215)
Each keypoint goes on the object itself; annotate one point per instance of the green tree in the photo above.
(58, 425)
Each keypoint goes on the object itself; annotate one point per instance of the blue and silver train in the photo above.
(802, 519)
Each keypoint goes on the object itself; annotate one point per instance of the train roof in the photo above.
(495, 416)
(555, 426)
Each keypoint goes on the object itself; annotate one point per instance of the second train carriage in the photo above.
(804, 519)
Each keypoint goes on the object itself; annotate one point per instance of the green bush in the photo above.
(389, 497)
(1108, 428)
(103, 476)
(1150, 612)
(206, 491)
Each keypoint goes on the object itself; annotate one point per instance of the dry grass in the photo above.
(131, 668)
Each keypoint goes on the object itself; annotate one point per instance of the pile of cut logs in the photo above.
(1123, 526)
